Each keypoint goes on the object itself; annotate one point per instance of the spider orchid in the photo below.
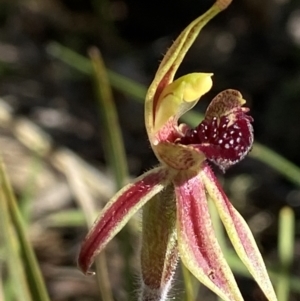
(176, 220)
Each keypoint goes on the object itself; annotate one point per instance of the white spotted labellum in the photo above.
(174, 196)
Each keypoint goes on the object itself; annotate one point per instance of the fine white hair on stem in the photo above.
(146, 293)
(150, 294)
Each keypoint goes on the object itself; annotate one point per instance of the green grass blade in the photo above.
(112, 143)
(286, 236)
(238, 267)
(10, 244)
(2, 296)
(191, 289)
(34, 277)
(8, 291)
(28, 193)
(70, 57)
(277, 162)
(286, 239)
(65, 218)
(83, 65)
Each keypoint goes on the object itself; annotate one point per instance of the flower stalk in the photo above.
(158, 260)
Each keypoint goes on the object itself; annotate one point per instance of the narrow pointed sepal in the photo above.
(239, 233)
(159, 253)
(118, 211)
(171, 62)
(198, 247)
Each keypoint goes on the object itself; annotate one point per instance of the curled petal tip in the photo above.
(90, 273)
(223, 4)
(84, 261)
(87, 253)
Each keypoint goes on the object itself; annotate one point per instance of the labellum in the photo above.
(224, 136)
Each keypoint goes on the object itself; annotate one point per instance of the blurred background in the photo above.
(253, 47)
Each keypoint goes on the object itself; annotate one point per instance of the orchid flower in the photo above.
(176, 222)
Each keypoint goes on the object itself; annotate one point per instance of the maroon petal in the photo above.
(197, 243)
(239, 233)
(118, 211)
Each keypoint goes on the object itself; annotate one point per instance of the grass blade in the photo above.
(277, 162)
(83, 65)
(28, 193)
(11, 254)
(65, 218)
(191, 288)
(34, 277)
(286, 239)
(113, 142)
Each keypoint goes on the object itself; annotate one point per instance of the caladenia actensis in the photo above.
(176, 221)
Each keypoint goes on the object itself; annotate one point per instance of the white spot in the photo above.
(238, 140)
(240, 134)
(231, 141)
(227, 146)
(224, 135)
(220, 141)
(214, 135)
(231, 132)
